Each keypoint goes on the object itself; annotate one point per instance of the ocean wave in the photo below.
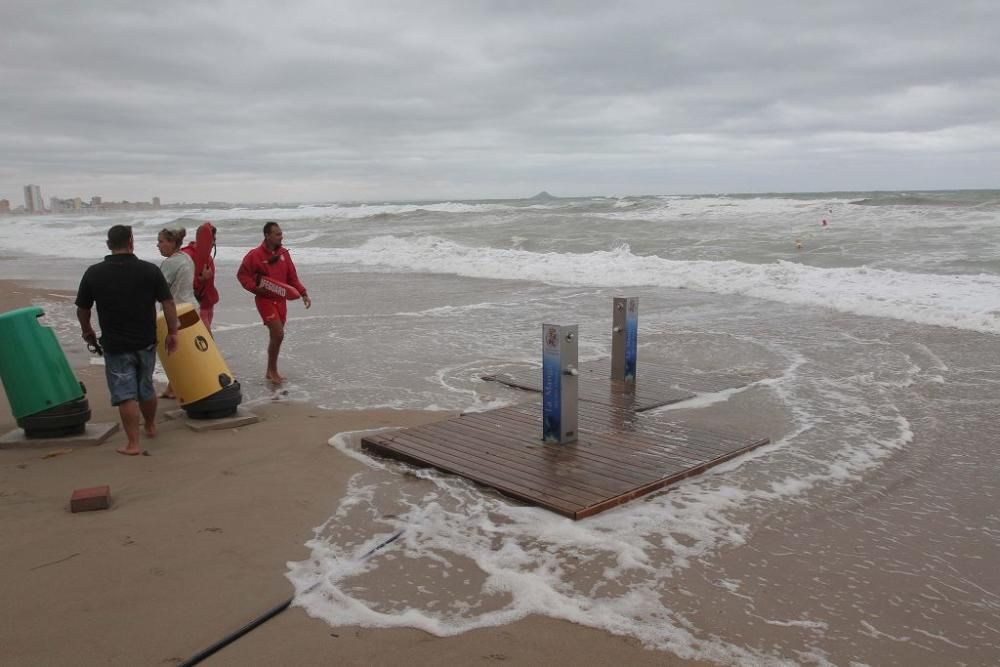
(967, 199)
(364, 211)
(963, 301)
(718, 207)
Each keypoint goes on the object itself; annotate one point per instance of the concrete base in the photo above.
(241, 418)
(93, 434)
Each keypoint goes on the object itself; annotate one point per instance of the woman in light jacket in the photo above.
(178, 269)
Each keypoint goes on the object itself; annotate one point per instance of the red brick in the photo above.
(94, 498)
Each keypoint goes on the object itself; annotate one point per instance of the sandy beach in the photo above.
(196, 543)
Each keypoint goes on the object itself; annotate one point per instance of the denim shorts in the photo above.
(130, 375)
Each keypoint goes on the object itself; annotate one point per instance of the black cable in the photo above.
(230, 638)
(267, 615)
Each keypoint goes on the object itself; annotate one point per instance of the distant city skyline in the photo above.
(34, 203)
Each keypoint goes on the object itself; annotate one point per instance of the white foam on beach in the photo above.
(476, 560)
(343, 441)
(963, 301)
(473, 399)
(701, 400)
(451, 311)
(470, 558)
(527, 561)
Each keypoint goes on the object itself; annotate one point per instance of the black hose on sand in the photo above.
(266, 616)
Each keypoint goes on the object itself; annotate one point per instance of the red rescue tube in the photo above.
(277, 288)
(204, 240)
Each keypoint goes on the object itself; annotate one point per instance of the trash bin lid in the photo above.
(18, 313)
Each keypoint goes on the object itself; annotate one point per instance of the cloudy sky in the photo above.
(343, 101)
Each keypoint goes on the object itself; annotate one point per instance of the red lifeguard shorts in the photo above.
(271, 308)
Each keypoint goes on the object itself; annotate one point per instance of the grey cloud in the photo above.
(210, 100)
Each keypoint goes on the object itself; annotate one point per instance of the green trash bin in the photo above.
(45, 397)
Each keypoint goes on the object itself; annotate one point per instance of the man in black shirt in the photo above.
(126, 290)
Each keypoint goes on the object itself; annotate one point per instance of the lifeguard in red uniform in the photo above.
(270, 259)
(204, 283)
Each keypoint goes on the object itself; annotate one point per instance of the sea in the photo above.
(866, 533)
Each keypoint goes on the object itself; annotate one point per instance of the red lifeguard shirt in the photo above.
(204, 290)
(260, 262)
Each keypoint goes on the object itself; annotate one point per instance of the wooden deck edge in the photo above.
(417, 461)
(505, 379)
(666, 402)
(509, 381)
(597, 508)
(710, 382)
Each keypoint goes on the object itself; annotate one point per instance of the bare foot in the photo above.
(150, 430)
(129, 451)
(275, 379)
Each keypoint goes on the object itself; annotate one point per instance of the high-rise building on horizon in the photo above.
(33, 199)
(156, 202)
(4, 206)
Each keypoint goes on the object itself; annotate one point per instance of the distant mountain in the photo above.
(542, 196)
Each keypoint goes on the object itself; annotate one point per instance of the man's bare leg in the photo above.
(276, 332)
(129, 413)
(148, 410)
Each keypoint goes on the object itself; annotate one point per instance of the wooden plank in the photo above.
(590, 425)
(621, 453)
(656, 385)
(529, 496)
(645, 396)
(593, 454)
(457, 461)
(613, 447)
(613, 453)
(584, 456)
(710, 381)
(611, 483)
(531, 458)
(553, 453)
(537, 463)
(662, 483)
(621, 459)
(564, 502)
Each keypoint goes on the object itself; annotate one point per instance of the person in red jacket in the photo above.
(274, 261)
(204, 285)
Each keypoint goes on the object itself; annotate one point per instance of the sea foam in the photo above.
(962, 301)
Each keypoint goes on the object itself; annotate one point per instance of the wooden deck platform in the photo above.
(620, 454)
(656, 385)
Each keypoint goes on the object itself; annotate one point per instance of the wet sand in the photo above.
(196, 543)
